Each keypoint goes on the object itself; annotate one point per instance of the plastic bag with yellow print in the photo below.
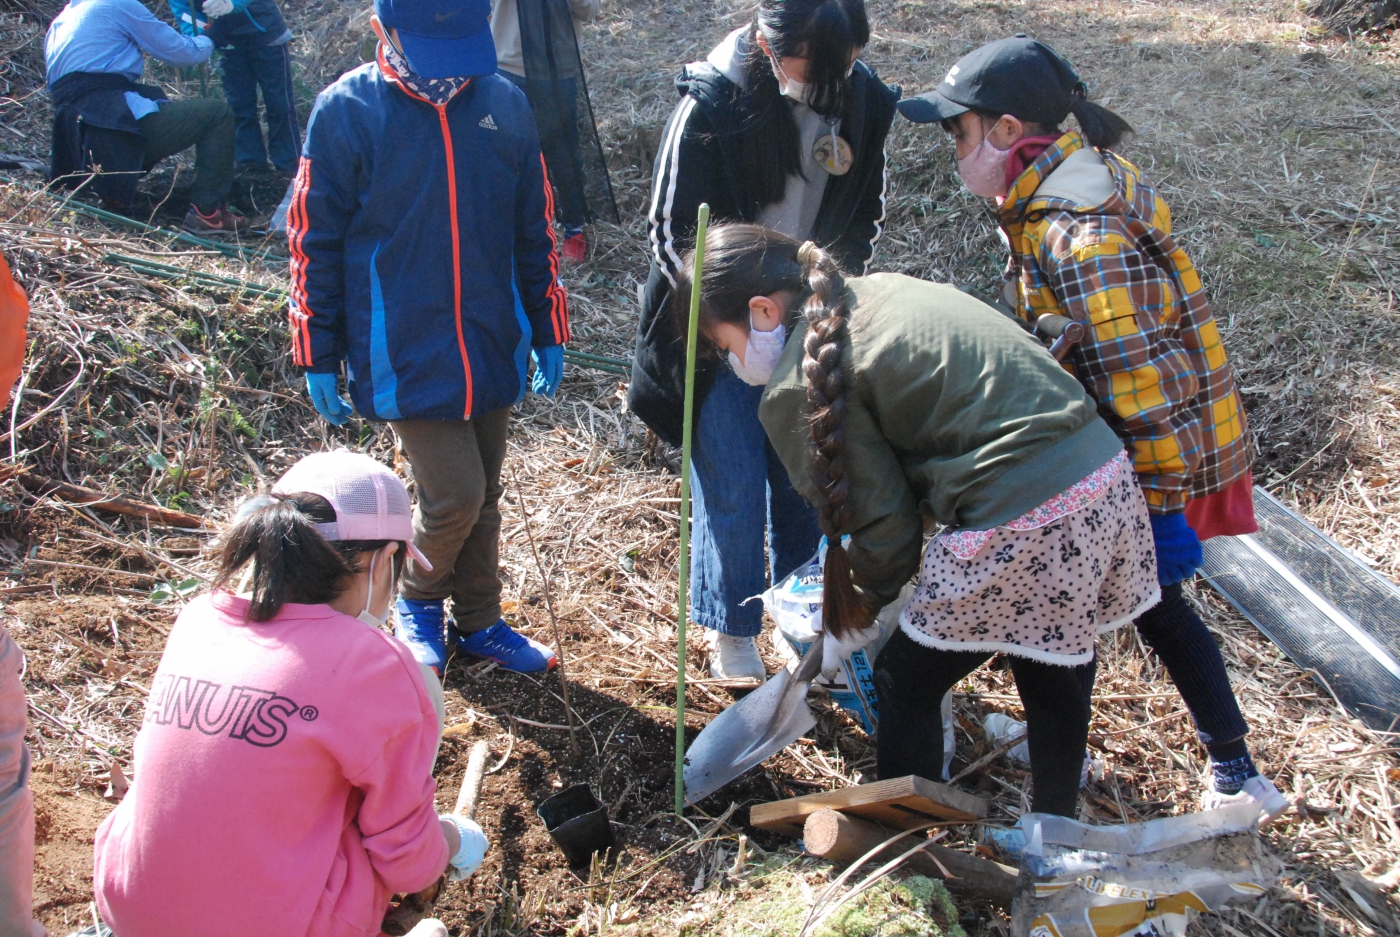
(1140, 878)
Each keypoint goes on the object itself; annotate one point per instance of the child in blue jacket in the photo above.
(423, 258)
(253, 38)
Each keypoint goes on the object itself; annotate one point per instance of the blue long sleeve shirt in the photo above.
(110, 36)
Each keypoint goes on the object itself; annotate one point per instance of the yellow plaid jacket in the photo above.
(1152, 355)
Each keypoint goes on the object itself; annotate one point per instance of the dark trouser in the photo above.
(268, 68)
(1177, 635)
(457, 520)
(207, 125)
(556, 114)
(910, 681)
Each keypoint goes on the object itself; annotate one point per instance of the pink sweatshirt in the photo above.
(283, 781)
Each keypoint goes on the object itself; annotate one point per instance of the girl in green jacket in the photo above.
(894, 402)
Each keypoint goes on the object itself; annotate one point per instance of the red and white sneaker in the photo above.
(220, 221)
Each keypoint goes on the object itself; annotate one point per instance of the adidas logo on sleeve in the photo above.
(488, 123)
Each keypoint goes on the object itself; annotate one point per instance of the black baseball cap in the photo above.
(1019, 76)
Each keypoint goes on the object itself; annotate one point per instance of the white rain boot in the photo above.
(734, 658)
(1257, 789)
(429, 927)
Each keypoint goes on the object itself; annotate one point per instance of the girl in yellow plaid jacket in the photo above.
(1091, 239)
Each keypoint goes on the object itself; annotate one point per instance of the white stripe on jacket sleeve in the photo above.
(663, 242)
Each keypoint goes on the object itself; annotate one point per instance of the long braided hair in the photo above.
(743, 261)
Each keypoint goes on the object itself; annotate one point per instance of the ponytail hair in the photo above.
(746, 260)
(292, 561)
(828, 314)
(1101, 127)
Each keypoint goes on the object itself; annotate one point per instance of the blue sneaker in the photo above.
(422, 626)
(507, 647)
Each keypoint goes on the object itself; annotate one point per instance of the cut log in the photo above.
(899, 803)
(97, 500)
(836, 837)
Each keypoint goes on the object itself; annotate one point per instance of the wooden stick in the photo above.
(549, 606)
(834, 836)
(471, 783)
(91, 498)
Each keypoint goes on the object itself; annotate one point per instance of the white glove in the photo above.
(217, 8)
(472, 851)
(835, 650)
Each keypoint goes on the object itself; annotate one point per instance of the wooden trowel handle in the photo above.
(471, 783)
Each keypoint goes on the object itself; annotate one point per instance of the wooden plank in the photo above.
(899, 803)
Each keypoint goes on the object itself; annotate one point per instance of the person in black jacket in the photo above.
(781, 125)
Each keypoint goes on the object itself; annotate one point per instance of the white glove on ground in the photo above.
(835, 650)
(217, 8)
(473, 849)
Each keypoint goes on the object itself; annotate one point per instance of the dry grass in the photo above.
(1275, 148)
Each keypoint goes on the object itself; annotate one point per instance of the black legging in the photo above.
(1177, 635)
(910, 681)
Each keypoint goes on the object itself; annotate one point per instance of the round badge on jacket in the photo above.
(833, 153)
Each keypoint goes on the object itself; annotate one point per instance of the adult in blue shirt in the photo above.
(105, 121)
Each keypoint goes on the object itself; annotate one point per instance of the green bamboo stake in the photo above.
(682, 592)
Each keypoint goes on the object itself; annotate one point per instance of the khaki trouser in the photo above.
(16, 801)
(457, 520)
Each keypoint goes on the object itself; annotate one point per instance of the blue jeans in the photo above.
(737, 484)
(268, 68)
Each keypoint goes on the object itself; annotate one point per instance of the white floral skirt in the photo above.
(1043, 585)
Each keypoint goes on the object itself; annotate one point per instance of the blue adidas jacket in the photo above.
(422, 248)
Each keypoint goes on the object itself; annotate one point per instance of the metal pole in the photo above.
(683, 589)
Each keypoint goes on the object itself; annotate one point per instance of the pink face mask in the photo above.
(983, 170)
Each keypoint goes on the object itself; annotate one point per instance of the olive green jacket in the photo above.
(953, 413)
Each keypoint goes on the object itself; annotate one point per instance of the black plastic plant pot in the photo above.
(577, 823)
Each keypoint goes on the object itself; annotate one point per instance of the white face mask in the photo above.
(798, 91)
(366, 615)
(983, 170)
(761, 357)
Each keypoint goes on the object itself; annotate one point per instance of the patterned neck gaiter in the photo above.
(437, 90)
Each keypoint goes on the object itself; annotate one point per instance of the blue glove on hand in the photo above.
(325, 397)
(1178, 548)
(549, 369)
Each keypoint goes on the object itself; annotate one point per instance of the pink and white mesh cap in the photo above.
(370, 501)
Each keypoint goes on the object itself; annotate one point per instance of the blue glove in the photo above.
(549, 369)
(325, 397)
(1178, 548)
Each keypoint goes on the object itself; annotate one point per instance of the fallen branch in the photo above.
(553, 621)
(91, 498)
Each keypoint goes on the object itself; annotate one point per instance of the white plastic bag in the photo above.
(1139, 878)
(795, 605)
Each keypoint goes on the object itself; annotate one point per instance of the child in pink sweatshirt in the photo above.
(284, 770)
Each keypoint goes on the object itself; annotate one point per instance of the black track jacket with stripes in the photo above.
(699, 161)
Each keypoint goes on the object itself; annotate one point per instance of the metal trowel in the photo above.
(760, 725)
